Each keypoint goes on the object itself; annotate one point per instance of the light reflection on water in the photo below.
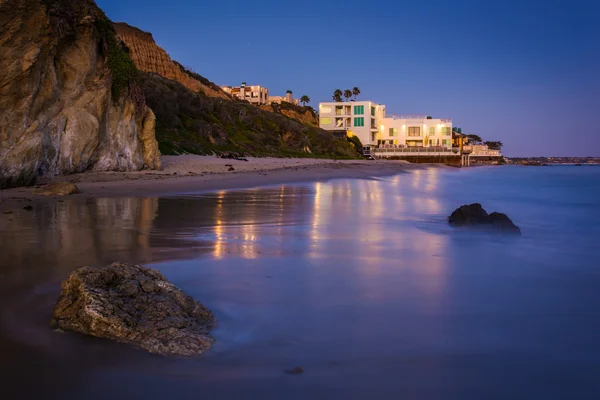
(361, 282)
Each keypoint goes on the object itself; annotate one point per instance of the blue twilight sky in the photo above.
(526, 72)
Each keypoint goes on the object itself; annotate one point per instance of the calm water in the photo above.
(360, 282)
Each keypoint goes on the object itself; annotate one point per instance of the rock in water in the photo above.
(57, 189)
(135, 305)
(475, 216)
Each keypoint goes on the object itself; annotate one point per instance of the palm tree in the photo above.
(355, 92)
(347, 94)
(304, 100)
(337, 95)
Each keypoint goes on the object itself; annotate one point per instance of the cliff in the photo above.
(149, 57)
(69, 101)
(306, 115)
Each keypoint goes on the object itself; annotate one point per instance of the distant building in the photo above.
(288, 98)
(253, 94)
(258, 95)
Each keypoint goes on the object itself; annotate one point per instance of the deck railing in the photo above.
(413, 151)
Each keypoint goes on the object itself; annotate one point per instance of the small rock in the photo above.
(57, 189)
(231, 169)
(475, 216)
(294, 371)
(7, 212)
(28, 208)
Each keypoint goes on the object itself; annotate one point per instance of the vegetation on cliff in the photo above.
(64, 15)
(191, 122)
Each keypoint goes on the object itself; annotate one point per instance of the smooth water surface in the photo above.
(360, 282)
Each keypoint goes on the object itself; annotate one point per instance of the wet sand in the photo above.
(193, 174)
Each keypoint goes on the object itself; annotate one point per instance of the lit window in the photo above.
(326, 121)
(432, 131)
(414, 131)
(393, 131)
(446, 131)
(325, 110)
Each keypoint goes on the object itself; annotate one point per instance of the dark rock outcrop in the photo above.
(475, 216)
(69, 102)
(135, 305)
(57, 189)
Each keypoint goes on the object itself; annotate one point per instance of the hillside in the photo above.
(192, 122)
(195, 116)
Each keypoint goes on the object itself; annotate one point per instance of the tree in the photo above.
(355, 92)
(475, 139)
(494, 145)
(304, 100)
(347, 94)
(337, 95)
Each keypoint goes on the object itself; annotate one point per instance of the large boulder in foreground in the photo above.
(475, 216)
(135, 305)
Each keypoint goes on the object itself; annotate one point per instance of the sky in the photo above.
(524, 72)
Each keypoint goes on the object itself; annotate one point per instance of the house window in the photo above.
(393, 131)
(446, 142)
(359, 121)
(326, 121)
(373, 111)
(339, 110)
(373, 125)
(414, 131)
(432, 131)
(325, 110)
(359, 110)
(446, 131)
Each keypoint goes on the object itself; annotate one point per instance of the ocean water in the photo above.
(360, 282)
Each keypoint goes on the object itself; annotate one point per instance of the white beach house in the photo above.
(368, 121)
(359, 118)
(415, 131)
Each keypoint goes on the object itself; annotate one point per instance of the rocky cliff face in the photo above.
(149, 57)
(305, 115)
(68, 101)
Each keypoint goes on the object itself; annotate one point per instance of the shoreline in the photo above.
(183, 175)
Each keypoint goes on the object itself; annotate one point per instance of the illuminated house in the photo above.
(416, 131)
(359, 118)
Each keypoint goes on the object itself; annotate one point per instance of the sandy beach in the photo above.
(192, 173)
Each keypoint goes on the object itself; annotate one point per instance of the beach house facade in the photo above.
(358, 118)
(415, 131)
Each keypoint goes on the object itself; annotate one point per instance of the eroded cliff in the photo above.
(68, 95)
(149, 57)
